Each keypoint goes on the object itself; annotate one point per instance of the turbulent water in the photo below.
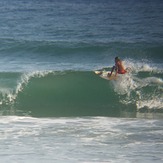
(54, 108)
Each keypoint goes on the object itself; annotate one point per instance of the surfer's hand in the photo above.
(109, 75)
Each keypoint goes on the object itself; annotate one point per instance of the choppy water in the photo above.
(89, 139)
(53, 108)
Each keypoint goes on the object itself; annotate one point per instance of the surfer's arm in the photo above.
(116, 71)
(113, 68)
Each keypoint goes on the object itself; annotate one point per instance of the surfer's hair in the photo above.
(117, 58)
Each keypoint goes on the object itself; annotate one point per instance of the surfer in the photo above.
(118, 68)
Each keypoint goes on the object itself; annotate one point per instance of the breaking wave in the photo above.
(81, 93)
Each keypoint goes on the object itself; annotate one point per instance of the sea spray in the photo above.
(142, 87)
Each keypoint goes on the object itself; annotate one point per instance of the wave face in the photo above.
(80, 93)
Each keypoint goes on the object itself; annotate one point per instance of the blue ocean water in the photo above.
(54, 108)
(78, 34)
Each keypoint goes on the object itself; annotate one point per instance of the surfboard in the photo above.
(105, 75)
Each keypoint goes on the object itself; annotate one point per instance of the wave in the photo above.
(80, 93)
(27, 55)
(77, 47)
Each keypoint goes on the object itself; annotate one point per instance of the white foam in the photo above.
(125, 84)
(142, 66)
(132, 86)
(155, 103)
(153, 80)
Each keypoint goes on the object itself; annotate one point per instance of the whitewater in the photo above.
(54, 108)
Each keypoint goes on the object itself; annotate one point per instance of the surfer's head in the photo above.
(117, 59)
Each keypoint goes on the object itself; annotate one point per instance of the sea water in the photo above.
(80, 139)
(54, 108)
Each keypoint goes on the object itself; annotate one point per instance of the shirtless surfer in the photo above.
(118, 68)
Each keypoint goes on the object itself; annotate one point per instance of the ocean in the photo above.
(54, 108)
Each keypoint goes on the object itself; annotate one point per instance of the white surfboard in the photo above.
(105, 75)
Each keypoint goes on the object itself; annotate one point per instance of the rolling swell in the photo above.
(44, 48)
(79, 93)
(31, 55)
